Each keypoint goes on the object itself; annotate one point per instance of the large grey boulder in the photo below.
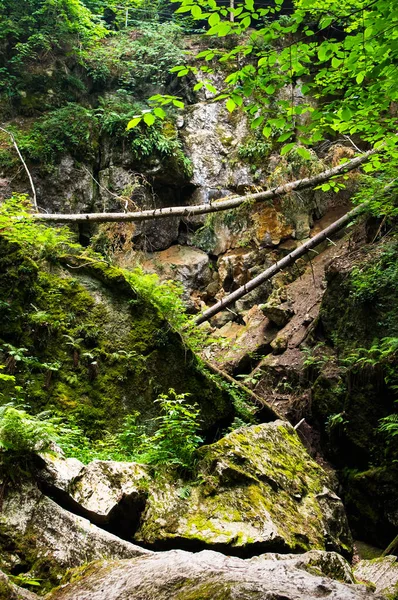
(382, 572)
(259, 491)
(43, 539)
(207, 575)
(111, 493)
(108, 493)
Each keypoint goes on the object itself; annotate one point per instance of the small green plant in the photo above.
(176, 438)
(335, 422)
(22, 435)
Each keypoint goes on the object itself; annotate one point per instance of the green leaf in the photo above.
(360, 77)
(284, 136)
(210, 87)
(267, 130)
(214, 19)
(304, 153)
(287, 148)
(159, 112)
(198, 86)
(256, 122)
(196, 12)
(133, 123)
(178, 103)
(149, 119)
(230, 104)
(346, 113)
(183, 72)
(336, 62)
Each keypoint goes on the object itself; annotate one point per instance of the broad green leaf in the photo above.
(196, 12)
(304, 153)
(346, 113)
(178, 103)
(230, 104)
(285, 149)
(159, 112)
(284, 136)
(256, 122)
(360, 77)
(210, 87)
(214, 19)
(149, 119)
(267, 130)
(133, 123)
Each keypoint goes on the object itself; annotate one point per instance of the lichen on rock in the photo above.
(257, 489)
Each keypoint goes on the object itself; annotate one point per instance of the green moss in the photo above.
(115, 354)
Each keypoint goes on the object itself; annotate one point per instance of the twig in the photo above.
(347, 137)
(25, 166)
(299, 423)
(121, 198)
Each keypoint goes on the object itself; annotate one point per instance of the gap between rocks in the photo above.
(125, 517)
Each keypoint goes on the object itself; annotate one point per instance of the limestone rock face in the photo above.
(382, 572)
(206, 575)
(47, 540)
(108, 493)
(260, 491)
(210, 137)
(186, 264)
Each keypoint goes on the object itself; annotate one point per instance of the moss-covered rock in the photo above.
(257, 489)
(92, 347)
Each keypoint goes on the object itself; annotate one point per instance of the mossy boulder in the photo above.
(99, 350)
(206, 575)
(257, 489)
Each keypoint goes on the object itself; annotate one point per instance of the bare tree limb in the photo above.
(268, 412)
(25, 166)
(278, 266)
(220, 205)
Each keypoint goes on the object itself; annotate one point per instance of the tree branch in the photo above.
(220, 205)
(278, 266)
(25, 166)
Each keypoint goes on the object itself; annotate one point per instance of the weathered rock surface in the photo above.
(108, 493)
(261, 491)
(186, 264)
(56, 471)
(382, 572)
(205, 576)
(111, 493)
(40, 537)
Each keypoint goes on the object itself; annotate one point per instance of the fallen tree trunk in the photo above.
(278, 266)
(201, 209)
